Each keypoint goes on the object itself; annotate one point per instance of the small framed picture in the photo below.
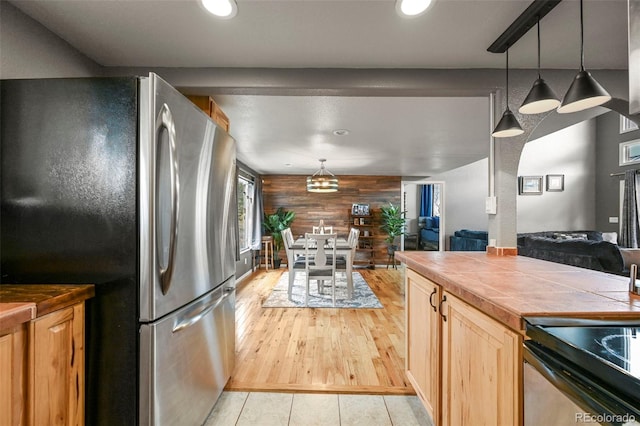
(555, 183)
(629, 152)
(360, 209)
(530, 185)
(626, 125)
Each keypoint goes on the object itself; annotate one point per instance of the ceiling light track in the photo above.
(523, 23)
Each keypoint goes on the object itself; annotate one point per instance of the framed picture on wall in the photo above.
(629, 152)
(530, 185)
(555, 183)
(360, 209)
(626, 125)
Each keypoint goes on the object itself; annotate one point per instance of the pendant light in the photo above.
(584, 92)
(508, 125)
(541, 97)
(322, 180)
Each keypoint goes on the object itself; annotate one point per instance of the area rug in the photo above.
(363, 297)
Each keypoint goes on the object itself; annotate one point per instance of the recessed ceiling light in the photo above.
(341, 132)
(225, 9)
(412, 7)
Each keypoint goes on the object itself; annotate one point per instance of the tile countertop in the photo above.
(23, 302)
(508, 288)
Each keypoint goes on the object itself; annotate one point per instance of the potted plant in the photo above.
(274, 224)
(393, 223)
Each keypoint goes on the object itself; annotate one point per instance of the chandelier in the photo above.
(322, 180)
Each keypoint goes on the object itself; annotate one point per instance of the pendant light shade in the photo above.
(508, 125)
(584, 92)
(541, 97)
(322, 180)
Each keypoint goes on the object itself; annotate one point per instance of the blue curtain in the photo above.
(426, 200)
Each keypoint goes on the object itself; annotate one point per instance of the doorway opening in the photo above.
(423, 204)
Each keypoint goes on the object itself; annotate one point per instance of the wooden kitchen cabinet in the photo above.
(480, 367)
(423, 341)
(42, 354)
(13, 375)
(211, 108)
(56, 368)
(463, 364)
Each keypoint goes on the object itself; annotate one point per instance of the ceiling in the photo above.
(407, 136)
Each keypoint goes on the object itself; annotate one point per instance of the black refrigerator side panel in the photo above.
(69, 215)
(69, 179)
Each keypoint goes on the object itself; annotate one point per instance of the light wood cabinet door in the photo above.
(480, 368)
(423, 340)
(13, 370)
(56, 381)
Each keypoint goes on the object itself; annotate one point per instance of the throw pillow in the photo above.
(569, 236)
(612, 237)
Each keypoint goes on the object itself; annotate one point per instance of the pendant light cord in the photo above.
(581, 39)
(539, 47)
(507, 78)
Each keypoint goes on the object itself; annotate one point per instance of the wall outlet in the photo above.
(245, 260)
(613, 219)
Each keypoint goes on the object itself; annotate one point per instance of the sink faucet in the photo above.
(632, 279)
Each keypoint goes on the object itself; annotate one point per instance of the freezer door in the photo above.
(184, 200)
(186, 359)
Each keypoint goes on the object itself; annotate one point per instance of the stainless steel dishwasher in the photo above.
(580, 371)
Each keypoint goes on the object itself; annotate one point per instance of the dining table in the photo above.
(342, 249)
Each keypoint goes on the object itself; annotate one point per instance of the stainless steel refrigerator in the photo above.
(124, 183)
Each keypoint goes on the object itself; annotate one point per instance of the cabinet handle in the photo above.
(435, 308)
(444, 299)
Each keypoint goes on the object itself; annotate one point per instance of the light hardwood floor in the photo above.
(321, 349)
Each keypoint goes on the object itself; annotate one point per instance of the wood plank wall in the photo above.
(289, 191)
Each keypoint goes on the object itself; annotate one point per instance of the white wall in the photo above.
(465, 190)
(570, 152)
(411, 207)
(29, 50)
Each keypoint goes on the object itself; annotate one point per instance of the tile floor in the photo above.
(304, 409)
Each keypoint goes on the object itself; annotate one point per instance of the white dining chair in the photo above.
(341, 261)
(322, 229)
(294, 263)
(320, 252)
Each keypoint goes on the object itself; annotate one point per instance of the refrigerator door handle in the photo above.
(165, 121)
(197, 314)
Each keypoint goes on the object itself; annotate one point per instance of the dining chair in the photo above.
(352, 241)
(322, 229)
(320, 252)
(294, 263)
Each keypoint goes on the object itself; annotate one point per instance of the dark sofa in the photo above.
(466, 240)
(429, 235)
(585, 249)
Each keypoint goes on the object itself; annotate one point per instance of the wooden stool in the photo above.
(267, 250)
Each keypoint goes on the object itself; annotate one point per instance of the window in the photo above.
(245, 209)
